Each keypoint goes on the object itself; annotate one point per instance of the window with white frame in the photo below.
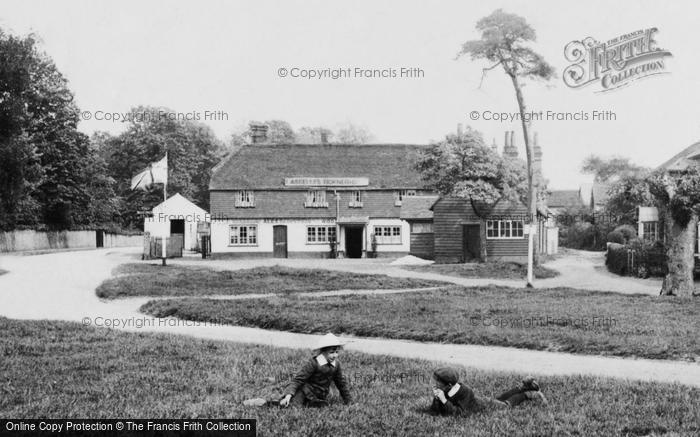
(316, 199)
(320, 234)
(387, 234)
(355, 199)
(650, 231)
(244, 199)
(504, 229)
(421, 227)
(399, 195)
(243, 235)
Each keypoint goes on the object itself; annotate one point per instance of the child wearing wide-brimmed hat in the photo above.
(311, 385)
(451, 397)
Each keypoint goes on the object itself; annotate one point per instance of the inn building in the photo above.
(353, 201)
(295, 200)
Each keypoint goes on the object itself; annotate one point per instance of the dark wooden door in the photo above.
(353, 242)
(177, 232)
(100, 238)
(471, 242)
(280, 241)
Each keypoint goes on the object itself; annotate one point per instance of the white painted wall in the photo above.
(176, 207)
(296, 236)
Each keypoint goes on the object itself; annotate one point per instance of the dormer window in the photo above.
(316, 199)
(244, 199)
(355, 199)
(400, 194)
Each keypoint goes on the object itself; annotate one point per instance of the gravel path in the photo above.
(61, 286)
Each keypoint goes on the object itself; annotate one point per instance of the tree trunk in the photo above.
(531, 194)
(680, 257)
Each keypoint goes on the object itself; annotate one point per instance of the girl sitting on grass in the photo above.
(311, 385)
(451, 397)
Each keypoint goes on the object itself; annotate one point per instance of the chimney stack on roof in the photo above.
(324, 137)
(258, 133)
(509, 149)
(494, 147)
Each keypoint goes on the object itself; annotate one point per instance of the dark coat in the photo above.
(314, 380)
(464, 402)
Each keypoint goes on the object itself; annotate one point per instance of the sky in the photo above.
(225, 63)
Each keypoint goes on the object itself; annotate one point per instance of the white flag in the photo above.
(156, 173)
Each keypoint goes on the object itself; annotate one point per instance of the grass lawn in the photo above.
(565, 320)
(63, 370)
(498, 270)
(140, 279)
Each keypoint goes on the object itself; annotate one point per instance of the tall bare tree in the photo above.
(502, 43)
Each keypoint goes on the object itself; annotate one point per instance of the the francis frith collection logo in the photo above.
(614, 63)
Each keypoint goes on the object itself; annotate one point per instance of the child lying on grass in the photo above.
(451, 397)
(311, 385)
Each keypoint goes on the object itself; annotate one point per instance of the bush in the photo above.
(639, 258)
(628, 232)
(616, 259)
(616, 237)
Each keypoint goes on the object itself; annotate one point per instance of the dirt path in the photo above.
(61, 287)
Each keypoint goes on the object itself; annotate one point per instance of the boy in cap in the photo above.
(451, 397)
(311, 385)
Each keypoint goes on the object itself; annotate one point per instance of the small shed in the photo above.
(416, 210)
(177, 218)
(460, 231)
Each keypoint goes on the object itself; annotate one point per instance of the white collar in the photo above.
(322, 361)
(453, 391)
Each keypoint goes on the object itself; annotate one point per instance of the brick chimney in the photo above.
(494, 147)
(324, 137)
(258, 133)
(509, 149)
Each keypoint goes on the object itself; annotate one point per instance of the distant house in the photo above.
(176, 218)
(559, 201)
(648, 225)
(595, 195)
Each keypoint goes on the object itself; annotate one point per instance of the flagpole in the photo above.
(165, 197)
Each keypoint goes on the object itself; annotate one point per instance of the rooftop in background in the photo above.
(264, 166)
(564, 199)
(418, 207)
(681, 161)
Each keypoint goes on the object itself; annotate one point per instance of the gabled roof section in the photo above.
(681, 161)
(564, 199)
(264, 166)
(417, 207)
(178, 204)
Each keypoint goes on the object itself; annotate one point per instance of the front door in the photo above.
(353, 242)
(471, 242)
(177, 232)
(280, 241)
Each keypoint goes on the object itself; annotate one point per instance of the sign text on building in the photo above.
(326, 182)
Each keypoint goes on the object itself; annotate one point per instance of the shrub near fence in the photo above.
(637, 259)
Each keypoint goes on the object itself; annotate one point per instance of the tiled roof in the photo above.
(417, 207)
(682, 159)
(263, 166)
(564, 199)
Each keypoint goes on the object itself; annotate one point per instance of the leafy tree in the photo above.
(503, 43)
(611, 169)
(313, 135)
(192, 148)
(45, 163)
(677, 195)
(348, 133)
(463, 166)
